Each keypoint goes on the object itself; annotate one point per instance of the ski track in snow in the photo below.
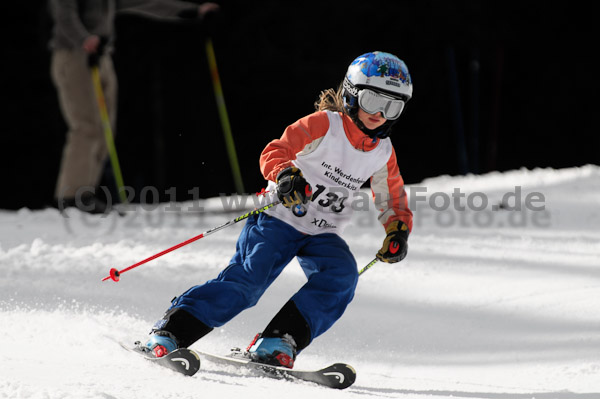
(493, 306)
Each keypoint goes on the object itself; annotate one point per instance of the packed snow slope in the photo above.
(492, 301)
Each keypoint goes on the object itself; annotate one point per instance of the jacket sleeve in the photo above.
(389, 195)
(302, 136)
(67, 22)
(159, 9)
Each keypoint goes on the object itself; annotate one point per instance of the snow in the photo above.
(493, 304)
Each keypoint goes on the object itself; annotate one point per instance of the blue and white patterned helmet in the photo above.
(379, 71)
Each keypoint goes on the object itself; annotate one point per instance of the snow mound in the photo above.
(491, 302)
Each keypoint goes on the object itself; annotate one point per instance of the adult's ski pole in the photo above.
(93, 62)
(115, 274)
(220, 99)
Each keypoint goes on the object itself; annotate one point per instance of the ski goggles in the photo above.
(372, 102)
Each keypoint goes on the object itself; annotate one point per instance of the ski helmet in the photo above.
(377, 82)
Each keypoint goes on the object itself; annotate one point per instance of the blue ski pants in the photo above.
(264, 248)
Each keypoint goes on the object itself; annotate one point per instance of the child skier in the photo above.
(313, 169)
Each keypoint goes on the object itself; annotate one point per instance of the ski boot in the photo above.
(160, 343)
(273, 351)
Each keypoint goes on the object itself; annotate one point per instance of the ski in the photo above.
(338, 375)
(187, 362)
(182, 360)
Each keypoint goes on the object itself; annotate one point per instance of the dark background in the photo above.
(497, 86)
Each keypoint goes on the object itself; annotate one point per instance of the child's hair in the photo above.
(330, 100)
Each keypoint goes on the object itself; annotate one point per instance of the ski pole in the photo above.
(115, 274)
(214, 74)
(367, 267)
(108, 135)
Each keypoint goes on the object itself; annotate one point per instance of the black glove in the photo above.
(395, 244)
(292, 187)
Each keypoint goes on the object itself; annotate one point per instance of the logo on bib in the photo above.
(323, 223)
